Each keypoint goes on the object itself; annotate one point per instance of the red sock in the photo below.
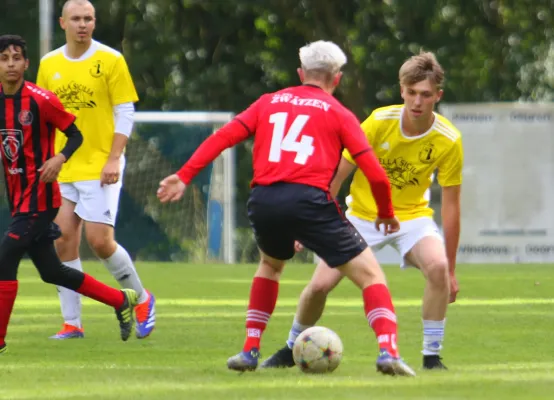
(263, 297)
(100, 292)
(380, 314)
(8, 293)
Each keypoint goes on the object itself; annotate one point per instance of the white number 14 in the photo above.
(289, 141)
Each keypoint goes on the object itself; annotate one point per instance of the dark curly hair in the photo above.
(13, 40)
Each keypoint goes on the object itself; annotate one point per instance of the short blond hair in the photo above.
(322, 59)
(420, 67)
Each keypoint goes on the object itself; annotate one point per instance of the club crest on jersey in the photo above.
(11, 142)
(428, 154)
(25, 117)
(97, 69)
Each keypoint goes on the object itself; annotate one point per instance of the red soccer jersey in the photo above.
(28, 120)
(299, 134)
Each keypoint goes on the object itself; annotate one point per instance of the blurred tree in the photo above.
(221, 55)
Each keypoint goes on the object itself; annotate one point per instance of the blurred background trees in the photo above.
(189, 55)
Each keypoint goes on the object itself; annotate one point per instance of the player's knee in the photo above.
(62, 275)
(437, 272)
(319, 287)
(102, 245)
(271, 263)
(66, 241)
(51, 276)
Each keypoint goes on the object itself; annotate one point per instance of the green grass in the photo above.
(499, 340)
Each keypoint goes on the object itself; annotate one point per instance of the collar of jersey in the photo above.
(91, 50)
(421, 134)
(9, 96)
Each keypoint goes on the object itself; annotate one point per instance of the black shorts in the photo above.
(284, 212)
(26, 229)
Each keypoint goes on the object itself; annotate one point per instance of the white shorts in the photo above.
(403, 241)
(94, 203)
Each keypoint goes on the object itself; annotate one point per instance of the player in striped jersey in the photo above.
(29, 116)
(412, 142)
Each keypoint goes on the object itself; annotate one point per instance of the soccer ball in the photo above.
(317, 350)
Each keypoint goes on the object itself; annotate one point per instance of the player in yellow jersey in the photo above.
(93, 81)
(411, 142)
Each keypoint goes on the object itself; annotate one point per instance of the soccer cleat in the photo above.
(69, 332)
(3, 348)
(244, 361)
(389, 365)
(433, 362)
(125, 313)
(281, 359)
(145, 314)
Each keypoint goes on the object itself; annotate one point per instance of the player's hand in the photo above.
(110, 172)
(454, 288)
(298, 247)
(50, 170)
(171, 189)
(390, 225)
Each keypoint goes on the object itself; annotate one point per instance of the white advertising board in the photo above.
(508, 184)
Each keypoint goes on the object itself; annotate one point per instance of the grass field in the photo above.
(499, 344)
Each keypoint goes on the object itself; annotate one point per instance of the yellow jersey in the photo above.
(89, 87)
(410, 163)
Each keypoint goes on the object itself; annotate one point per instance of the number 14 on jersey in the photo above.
(281, 141)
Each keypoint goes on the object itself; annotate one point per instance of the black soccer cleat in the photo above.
(281, 359)
(433, 362)
(125, 313)
(3, 348)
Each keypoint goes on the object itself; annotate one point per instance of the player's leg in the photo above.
(365, 272)
(429, 255)
(263, 297)
(98, 207)
(313, 297)
(12, 248)
(67, 247)
(52, 271)
(308, 312)
(335, 240)
(276, 245)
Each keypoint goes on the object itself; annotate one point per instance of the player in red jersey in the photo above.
(29, 116)
(299, 133)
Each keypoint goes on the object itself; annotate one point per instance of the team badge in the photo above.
(25, 117)
(11, 142)
(97, 69)
(428, 154)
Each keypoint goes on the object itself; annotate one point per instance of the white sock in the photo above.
(123, 270)
(296, 329)
(70, 301)
(433, 336)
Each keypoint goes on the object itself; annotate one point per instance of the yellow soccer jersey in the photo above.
(410, 163)
(89, 87)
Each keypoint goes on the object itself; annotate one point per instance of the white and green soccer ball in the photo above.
(317, 350)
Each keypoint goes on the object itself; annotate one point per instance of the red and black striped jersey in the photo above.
(28, 122)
